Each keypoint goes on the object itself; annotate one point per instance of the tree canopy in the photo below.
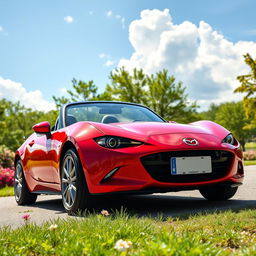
(158, 91)
(248, 86)
(16, 122)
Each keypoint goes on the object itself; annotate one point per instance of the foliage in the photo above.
(211, 113)
(248, 86)
(17, 121)
(231, 115)
(250, 145)
(159, 92)
(6, 177)
(6, 167)
(6, 157)
(82, 91)
(6, 191)
(227, 233)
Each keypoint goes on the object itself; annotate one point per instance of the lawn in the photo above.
(250, 162)
(250, 145)
(6, 191)
(227, 233)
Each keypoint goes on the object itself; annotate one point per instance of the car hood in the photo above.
(144, 130)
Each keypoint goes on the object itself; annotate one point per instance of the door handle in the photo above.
(31, 143)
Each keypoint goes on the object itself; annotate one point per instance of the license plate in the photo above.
(190, 165)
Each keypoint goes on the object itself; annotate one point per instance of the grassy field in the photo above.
(227, 233)
(250, 162)
(6, 191)
(250, 145)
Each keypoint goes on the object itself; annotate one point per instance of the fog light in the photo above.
(110, 174)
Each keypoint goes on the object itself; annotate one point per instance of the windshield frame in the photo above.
(64, 108)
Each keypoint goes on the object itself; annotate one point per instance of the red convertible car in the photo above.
(114, 147)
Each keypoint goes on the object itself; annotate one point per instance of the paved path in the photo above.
(169, 204)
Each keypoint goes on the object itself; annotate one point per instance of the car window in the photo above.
(109, 113)
(56, 126)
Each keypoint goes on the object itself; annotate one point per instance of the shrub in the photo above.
(6, 177)
(6, 167)
(6, 157)
(250, 155)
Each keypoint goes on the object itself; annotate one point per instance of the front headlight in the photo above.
(116, 142)
(230, 140)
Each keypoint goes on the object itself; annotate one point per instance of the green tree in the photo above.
(232, 116)
(128, 87)
(16, 122)
(248, 86)
(211, 113)
(82, 91)
(158, 91)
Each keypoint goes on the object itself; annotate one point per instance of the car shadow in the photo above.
(155, 205)
(170, 206)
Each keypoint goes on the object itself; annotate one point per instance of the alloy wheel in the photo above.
(68, 179)
(18, 180)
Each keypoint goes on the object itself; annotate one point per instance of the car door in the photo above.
(40, 165)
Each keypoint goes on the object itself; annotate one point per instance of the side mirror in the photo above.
(43, 127)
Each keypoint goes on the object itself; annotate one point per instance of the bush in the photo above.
(6, 157)
(6, 167)
(6, 177)
(250, 155)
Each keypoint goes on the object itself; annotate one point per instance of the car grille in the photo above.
(158, 165)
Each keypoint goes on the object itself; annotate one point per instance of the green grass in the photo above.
(250, 145)
(250, 162)
(227, 233)
(6, 191)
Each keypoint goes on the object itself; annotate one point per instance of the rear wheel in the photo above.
(75, 194)
(22, 194)
(218, 193)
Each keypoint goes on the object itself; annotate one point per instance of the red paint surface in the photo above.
(40, 153)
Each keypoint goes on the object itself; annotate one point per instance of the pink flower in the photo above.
(26, 217)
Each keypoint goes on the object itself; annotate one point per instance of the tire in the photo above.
(75, 194)
(218, 193)
(21, 192)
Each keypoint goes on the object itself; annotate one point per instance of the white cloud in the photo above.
(109, 13)
(200, 56)
(109, 63)
(123, 22)
(69, 19)
(108, 59)
(117, 17)
(103, 56)
(1, 29)
(15, 91)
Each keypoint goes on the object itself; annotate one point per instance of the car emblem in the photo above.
(190, 141)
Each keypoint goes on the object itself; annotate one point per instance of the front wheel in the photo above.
(21, 192)
(75, 194)
(218, 193)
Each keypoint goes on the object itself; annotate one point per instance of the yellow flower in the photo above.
(122, 245)
(53, 227)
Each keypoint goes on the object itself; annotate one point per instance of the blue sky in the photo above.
(44, 44)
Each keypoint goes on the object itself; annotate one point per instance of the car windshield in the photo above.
(109, 113)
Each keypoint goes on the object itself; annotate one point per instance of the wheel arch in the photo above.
(16, 159)
(67, 145)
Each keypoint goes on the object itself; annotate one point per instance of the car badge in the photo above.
(190, 141)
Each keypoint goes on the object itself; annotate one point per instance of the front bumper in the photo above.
(135, 174)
